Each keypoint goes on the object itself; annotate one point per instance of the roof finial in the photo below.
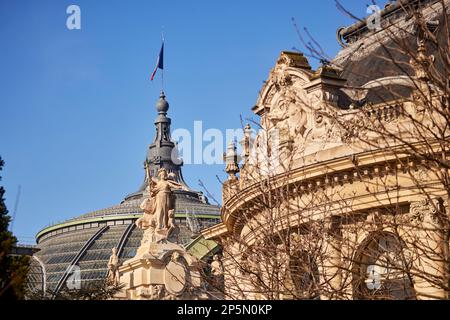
(231, 160)
(162, 106)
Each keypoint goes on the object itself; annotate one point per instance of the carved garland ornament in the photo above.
(419, 211)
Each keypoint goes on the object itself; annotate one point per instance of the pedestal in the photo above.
(161, 271)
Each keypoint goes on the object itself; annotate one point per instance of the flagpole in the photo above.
(162, 71)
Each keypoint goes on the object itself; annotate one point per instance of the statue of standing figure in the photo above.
(159, 206)
(217, 271)
(216, 266)
(113, 268)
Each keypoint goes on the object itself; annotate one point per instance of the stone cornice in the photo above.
(214, 232)
(361, 204)
(337, 171)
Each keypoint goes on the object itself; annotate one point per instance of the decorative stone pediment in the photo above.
(292, 100)
(282, 98)
(294, 60)
(291, 70)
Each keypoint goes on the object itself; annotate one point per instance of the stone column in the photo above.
(330, 270)
(428, 236)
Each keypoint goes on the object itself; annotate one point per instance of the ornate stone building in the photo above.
(343, 193)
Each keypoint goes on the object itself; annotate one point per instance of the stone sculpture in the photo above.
(113, 268)
(159, 208)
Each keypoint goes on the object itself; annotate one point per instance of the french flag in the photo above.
(159, 62)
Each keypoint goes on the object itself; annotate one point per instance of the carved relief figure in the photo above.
(157, 292)
(216, 266)
(217, 271)
(148, 206)
(290, 118)
(174, 230)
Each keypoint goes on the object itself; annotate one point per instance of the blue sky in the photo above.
(77, 106)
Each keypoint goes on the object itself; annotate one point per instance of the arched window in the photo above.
(381, 269)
